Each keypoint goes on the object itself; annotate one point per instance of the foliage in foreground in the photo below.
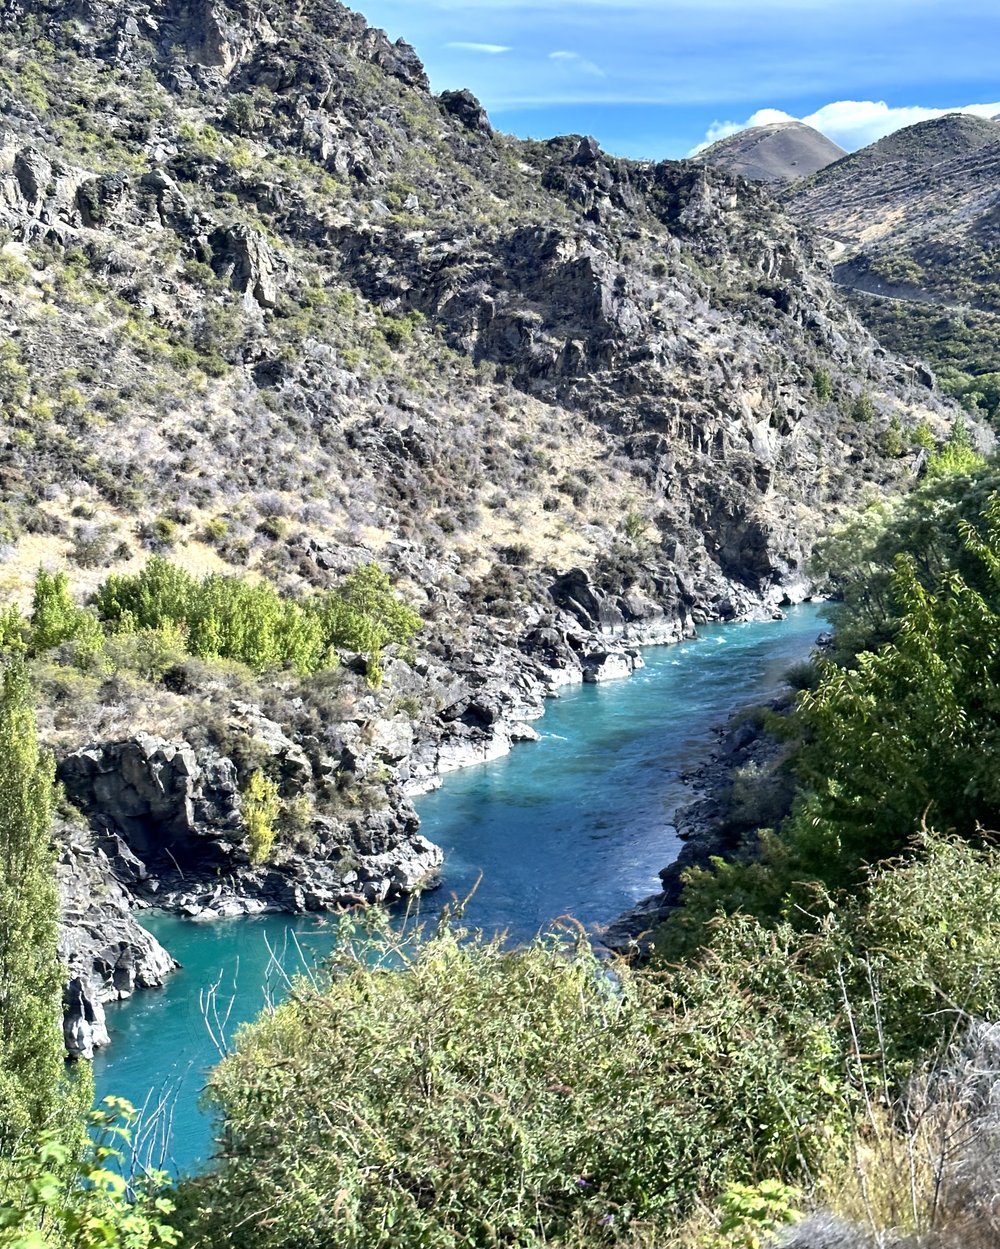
(900, 733)
(32, 1086)
(60, 1197)
(445, 1093)
(56, 1188)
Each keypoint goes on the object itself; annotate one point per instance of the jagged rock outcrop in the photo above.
(468, 110)
(106, 951)
(177, 814)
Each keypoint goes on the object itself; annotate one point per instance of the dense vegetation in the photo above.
(30, 974)
(962, 345)
(219, 617)
(478, 1098)
(56, 1185)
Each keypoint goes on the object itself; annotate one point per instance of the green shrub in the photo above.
(823, 385)
(260, 811)
(365, 616)
(241, 114)
(922, 437)
(957, 456)
(892, 439)
(54, 1197)
(863, 410)
(441, 1092)
(56, 618)
(634, 526)
(229, 618)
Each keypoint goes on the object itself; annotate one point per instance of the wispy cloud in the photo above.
(579, 63)
(851, 123)
(487, 49)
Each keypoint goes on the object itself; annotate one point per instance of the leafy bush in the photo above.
(229, 618)
(439, 1090)
(260, 810)
(957, 456)
(823, 385)
(55, 617)
(893, 736)
(442, 1092)
(54, 1197)
(863, 409)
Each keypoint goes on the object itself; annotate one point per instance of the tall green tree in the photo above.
(31, 1045)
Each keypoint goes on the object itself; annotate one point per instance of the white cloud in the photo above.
(851, 123)
(488, 49)
(579, 63)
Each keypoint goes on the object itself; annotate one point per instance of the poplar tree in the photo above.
(31, 1045)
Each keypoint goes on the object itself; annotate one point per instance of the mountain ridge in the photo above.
(911, 226)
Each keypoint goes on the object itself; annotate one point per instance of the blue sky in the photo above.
(655, 78)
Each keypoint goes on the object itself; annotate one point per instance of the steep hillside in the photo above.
(270, 307)
(779, 153)
(913, 226)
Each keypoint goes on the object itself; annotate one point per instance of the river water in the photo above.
(577, 824)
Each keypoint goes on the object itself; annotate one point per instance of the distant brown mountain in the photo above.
(779, 153)
(912, 225)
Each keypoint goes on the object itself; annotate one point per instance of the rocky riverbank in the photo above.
(741, 787)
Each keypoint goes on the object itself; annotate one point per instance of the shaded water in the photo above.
(578, 823)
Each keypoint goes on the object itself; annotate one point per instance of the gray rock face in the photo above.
(826, 1231)
(243, 258)
(177, 812)
(168, 831)
(107, 953)
(165, 800)
(468, 110)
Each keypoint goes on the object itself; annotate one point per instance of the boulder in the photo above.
(607, 666)
(464, 106)
(593, 608)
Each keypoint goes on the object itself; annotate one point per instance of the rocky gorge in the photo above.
(270, 308)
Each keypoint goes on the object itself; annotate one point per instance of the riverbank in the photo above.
(165, 812)
(740, 787)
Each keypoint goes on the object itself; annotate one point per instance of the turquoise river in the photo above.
(577, 824)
